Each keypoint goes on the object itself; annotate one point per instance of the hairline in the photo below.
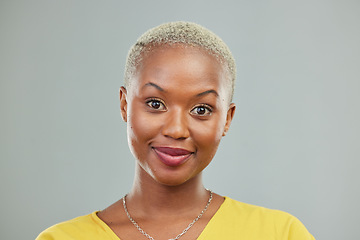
(153, 47)
(188, 34)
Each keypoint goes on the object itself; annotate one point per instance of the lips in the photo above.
(172, 156)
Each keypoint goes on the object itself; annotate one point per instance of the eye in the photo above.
(156, 104)
(202, 110)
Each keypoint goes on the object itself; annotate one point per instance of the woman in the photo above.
(179, 82)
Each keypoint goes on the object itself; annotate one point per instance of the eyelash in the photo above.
(208, 109)
(154, 100)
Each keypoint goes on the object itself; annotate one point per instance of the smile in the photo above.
(172, 156)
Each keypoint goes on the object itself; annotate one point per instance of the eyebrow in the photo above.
(197, 95)
(154, 85)
(208, 92)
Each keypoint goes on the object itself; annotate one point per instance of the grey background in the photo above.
(294, 143)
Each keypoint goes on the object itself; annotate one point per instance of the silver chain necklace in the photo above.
(178, 236)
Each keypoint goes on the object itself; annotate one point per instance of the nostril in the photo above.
(177, 138)
(176, 128)
(179, 134)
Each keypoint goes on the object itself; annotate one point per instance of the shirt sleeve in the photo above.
(295, 230)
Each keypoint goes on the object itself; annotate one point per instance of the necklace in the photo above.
(178, 236)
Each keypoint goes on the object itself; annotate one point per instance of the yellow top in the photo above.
(233, 220)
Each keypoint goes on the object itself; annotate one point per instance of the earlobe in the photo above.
(123, 103)
(229, 117)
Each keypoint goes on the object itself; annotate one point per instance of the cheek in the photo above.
(208, 135)
(140, 129)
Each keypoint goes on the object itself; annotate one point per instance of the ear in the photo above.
(123, 103)
(229, 117)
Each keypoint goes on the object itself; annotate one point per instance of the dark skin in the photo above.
(179, 98)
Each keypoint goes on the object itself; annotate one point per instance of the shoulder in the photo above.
(260, 222)
(240, 209)
(83, 227)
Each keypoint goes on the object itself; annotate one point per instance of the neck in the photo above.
(153, 197)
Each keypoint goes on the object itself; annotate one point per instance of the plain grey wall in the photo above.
(294, 143)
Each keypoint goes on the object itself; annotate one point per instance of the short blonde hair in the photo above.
(186, 33)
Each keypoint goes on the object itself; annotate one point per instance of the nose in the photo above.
(176, 125)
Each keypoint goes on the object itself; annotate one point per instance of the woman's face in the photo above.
(177, 110)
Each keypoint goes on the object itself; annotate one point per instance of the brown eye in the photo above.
(156, 104)
(201, 111)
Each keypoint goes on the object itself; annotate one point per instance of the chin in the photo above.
(173, 179)
(167, 176)
(170, 181)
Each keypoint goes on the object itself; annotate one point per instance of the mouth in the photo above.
(172, 156)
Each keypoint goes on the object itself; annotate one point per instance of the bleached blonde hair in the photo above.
(186, 33)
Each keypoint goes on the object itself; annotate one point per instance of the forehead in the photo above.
(181, 58)
(193, 65)
(152, 51)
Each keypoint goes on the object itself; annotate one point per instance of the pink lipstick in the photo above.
(172, 156)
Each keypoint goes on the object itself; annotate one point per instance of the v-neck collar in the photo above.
(202, 236)
(205, 232)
